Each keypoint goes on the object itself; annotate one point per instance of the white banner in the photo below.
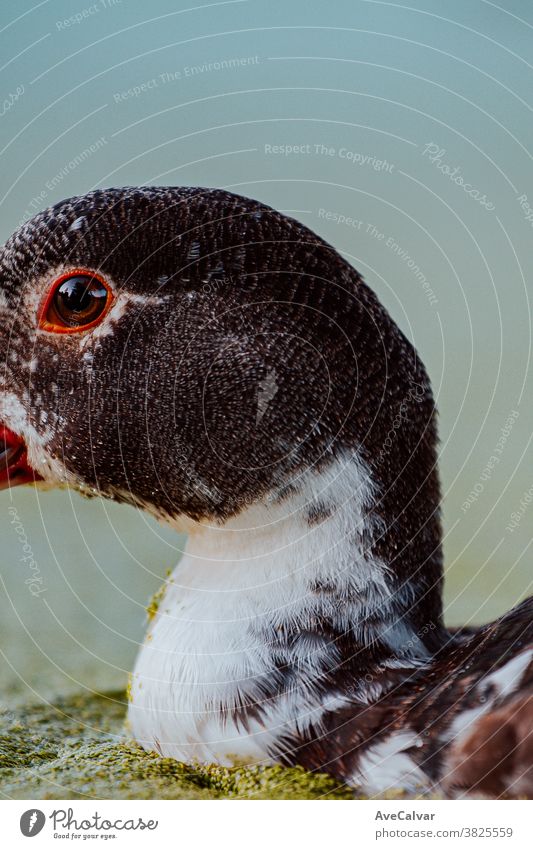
(254, 825)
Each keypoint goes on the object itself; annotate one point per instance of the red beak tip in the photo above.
(14, 467)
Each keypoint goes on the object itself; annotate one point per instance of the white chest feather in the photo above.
(210, 646)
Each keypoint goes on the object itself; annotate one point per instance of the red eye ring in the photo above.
(76, 301)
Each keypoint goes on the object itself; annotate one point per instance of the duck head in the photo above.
(194, 352)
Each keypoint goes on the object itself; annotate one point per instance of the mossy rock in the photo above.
(77, 748)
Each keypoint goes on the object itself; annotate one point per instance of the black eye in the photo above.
(75, 302)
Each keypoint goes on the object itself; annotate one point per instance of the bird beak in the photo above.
(14, 467)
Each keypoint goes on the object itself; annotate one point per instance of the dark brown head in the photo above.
(192, 351)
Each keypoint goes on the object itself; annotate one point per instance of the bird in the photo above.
(212, 361)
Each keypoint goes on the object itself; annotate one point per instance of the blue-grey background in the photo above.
(122, 92)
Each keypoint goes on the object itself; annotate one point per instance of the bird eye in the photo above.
(77, 301)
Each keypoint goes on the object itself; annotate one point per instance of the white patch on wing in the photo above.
(215, 640)
(388, 765)
(505, 681)
(78, 223)
(509, 676)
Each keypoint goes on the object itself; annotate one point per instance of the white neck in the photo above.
(218, 635)
(271, 553)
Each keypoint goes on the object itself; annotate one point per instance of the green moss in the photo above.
(77, 748)
(155, 601)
